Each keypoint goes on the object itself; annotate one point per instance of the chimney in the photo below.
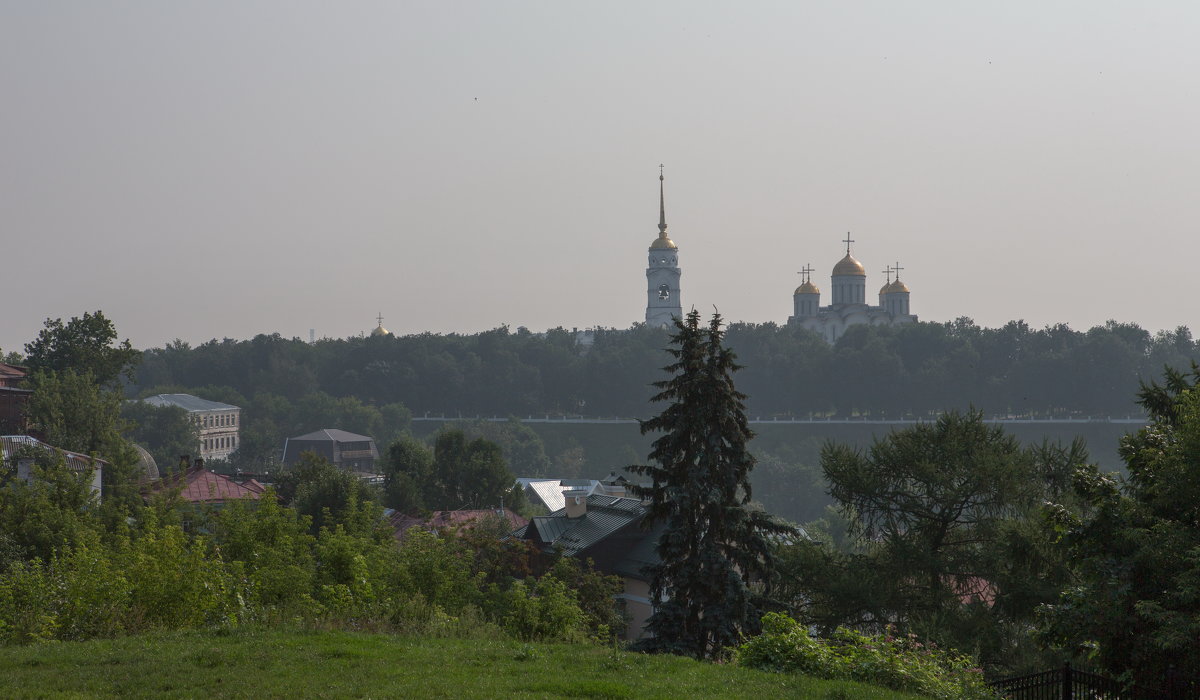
(576, 502)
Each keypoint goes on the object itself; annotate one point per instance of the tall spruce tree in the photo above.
(715, 550)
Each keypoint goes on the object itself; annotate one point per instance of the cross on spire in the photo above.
(889, 272)
(379, 318)
(805, 273)
(848, 240)
(897, 269)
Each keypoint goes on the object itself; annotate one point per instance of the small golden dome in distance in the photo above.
(849, 266)
(663, 243)
(807, 288)
(896, 287)
(380, 330)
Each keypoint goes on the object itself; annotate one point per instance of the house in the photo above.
(442, 519)
(607, 530)
(198, 486)
(13, 397)
(345, 450)
(549, 492)
(217, 422)
(12, 446)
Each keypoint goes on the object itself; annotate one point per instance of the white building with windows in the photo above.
(216, 422)
(849, 306)
(662, 275)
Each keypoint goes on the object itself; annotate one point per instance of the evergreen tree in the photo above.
(1136, 608)
(715, 552)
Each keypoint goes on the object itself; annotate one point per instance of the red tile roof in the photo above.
(198, 485)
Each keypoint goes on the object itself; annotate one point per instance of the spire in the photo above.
(662, 205)
(663, 241)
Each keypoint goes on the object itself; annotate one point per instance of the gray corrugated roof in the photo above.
(187, 402)
(550, 492)
(605, 515)
(333, 434)
(9, 444)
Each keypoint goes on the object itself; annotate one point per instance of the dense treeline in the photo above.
(884, 371)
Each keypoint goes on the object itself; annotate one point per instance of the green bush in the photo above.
(542, 609)
(27, 609)
(900, 663)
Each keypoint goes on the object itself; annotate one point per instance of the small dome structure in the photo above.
(896, 287)
(849, 266)
(807, 288)
(379, 330)
(147, 467)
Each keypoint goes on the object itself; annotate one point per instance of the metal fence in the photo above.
(1069, 683)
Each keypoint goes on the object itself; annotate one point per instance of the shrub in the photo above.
(900, 663)
(542, 609)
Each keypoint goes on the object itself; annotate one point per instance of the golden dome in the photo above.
(662, 242)
(897, 286)
(380, 330)
(807, 288)
(849, 266)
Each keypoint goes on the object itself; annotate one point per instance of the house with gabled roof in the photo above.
(343, 449)
(608, 530)
(200, 487)
(14, 452)
(217, 422)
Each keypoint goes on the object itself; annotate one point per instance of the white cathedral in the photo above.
(848, 306)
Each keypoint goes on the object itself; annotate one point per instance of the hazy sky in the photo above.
(221, 169)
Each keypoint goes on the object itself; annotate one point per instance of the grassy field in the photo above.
(273, 663)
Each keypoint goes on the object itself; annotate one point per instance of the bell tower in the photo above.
(662, 274)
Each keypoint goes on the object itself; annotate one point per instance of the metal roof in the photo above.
(333, 435)
(187, 402)
(76, 461)
(605, 515)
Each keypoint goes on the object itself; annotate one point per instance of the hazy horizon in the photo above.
(200, 170)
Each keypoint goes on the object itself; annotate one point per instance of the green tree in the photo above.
(165, 431)
(713, 547)
(329, 496)
(73, 412)
(85, 345)
(407, 471)
(1136, 607)
(929, 495)
(948, 542)
(462, 474)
